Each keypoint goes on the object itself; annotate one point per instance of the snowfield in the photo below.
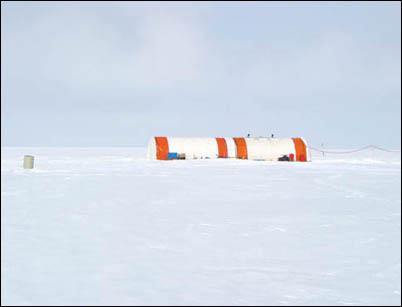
(106, 226)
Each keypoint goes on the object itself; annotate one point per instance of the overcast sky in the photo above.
(116, 74)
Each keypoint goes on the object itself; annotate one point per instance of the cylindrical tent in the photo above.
(262, 148)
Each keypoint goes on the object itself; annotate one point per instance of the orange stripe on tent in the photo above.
(241, 145)
(301, 152)
(162, 148)
(222, 148)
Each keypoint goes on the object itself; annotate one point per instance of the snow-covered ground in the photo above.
(105, 226)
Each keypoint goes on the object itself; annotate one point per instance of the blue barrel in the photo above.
(172, 155)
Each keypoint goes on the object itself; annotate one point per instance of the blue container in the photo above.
(172, 155)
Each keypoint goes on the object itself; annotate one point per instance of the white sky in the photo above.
(116, 74)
